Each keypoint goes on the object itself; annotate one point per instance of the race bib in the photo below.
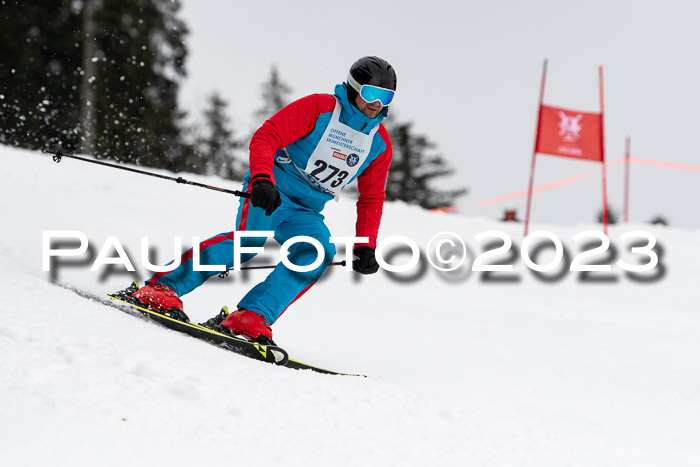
(339, 154)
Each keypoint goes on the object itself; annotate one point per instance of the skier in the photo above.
(299, 160)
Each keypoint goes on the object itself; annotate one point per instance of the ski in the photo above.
(266, 353)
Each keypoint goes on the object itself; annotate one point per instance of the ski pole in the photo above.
(59, 154)
(272, 266)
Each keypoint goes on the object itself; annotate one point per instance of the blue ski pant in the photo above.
(282, 286)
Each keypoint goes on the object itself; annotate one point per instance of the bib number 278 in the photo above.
(320, 171)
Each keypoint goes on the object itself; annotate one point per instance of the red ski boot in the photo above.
(161, 299)
(249, 324)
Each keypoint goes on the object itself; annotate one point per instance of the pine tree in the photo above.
(613, 215)
(658, 219)
(218, 146)
(39, 74)
(275, 95)
(140, 58)
(414, 167)
(131, 80)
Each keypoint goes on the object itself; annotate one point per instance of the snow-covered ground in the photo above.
(462, 369)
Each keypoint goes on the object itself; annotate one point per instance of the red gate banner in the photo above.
(568, 133)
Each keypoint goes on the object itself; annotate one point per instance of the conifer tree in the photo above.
(140, 58)
(136, 54)
(415, 168)
(613, 215)
(275, 95)
(658, 219)
(218, 145)
(39, 74)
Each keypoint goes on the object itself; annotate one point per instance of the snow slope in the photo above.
(461, 370)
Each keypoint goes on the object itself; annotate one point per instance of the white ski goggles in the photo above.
(372, 93)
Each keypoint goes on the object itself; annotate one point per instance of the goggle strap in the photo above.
(352, 82)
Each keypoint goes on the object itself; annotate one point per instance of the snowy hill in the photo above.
(463, 368)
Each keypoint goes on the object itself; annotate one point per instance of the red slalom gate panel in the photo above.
(570, 133)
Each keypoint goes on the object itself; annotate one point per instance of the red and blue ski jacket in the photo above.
(295, 131)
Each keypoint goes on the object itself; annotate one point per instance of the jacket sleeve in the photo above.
(293, 122)
(371, 184)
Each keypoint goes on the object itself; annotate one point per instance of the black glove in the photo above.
(264, 195)
(366, 262)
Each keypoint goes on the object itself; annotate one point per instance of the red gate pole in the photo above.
(534, 150)
(627, 179)
(602, 152)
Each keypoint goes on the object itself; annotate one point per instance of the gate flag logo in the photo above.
(569, 127)
(569, 133)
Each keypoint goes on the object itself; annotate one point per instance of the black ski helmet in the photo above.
(374, 71)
